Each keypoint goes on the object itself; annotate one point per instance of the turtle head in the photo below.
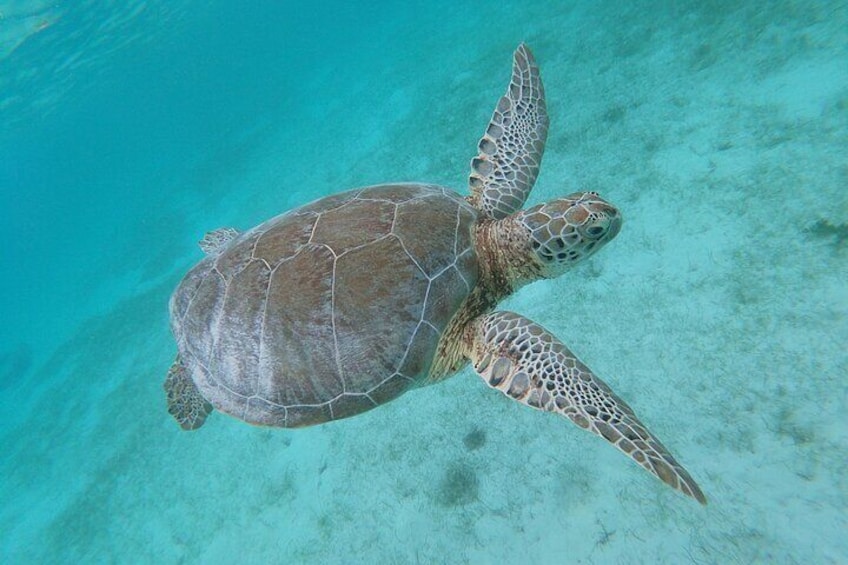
(567, 230)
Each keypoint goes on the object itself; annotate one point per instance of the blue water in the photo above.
(720, 129)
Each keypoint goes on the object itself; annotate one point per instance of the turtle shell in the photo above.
(330, 309)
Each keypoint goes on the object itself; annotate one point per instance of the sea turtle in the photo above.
(339, 306)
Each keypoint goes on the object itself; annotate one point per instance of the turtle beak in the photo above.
(615, 221)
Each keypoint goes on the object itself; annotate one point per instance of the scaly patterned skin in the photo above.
(548, 239)
(510, 151)
(185, 403)
(513, 354)
(527, 363)
(570, 229)
(542, 242)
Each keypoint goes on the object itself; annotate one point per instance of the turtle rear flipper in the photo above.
(185, 403)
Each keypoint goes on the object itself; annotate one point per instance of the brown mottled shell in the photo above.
(330, 309)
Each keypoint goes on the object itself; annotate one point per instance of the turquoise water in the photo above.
(129, 129)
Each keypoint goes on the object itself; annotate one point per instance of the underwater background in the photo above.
(720, 129)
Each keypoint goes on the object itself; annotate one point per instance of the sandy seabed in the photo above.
(719, 312)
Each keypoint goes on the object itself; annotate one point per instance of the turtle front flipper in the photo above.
(527, 363)
(185, 403)
(510, 151)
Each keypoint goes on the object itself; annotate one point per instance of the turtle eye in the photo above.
(596, 231)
